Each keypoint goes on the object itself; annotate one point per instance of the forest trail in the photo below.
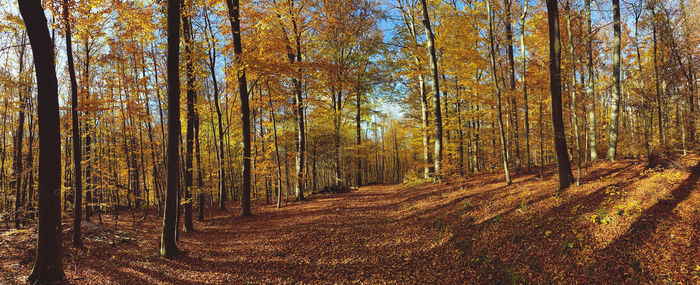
(625, 224)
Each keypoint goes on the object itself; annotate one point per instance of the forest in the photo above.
(349, 141)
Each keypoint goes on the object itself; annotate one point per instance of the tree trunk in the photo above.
(20, 137)
(191, 94)
(524, 59)
(590, 92)
(220, 158)
(77, 151)
(615, 110)
(514, 103)
(572, 89)
(168, 248)
(233, 14)
(563, 164)
(437, 116)
(48, 265)
(492, 51)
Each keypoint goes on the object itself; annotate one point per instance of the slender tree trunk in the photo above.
(48, 264)
(191, 94)
(212, 69)
(524, 59)
(492, 51)
(20, 137)
(277, 151)
(168, 248)
(77, 151)
(572, 89)
(563, 164)
(514, 103)
(590, 92)
(656, 71)
(437, 116)
(615, 110)
(233, 14)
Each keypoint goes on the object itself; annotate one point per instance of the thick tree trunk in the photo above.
(233, 14)
(492, 52)
(48, 264)
(563, 164)
(168, 248)
(615, 110)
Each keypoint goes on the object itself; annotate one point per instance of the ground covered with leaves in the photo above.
(624, 224)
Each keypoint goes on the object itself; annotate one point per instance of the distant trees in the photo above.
(48, 264)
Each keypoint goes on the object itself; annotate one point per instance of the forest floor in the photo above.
(624, 224)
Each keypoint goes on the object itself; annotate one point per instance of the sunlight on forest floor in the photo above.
(625, 224)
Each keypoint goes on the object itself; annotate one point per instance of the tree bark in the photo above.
(168, 248)
(48, 265)
(563, 164)
(437, 116)
(615, 110)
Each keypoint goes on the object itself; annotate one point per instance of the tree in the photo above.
(191, 116)
(437, 116)
(615, 110)
(233, 14)
(572, 90)
(168, 248)
(501, 132)
(77, 180)
(524, 60)
(511, 73)
(590, 92)
(563, 165)
(48, 264)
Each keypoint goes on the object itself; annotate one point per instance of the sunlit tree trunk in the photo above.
(502, 135)
(524, 59)
(590, 92)
(572, 89)
(615, 110)
(48, 263)
(437, 116)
